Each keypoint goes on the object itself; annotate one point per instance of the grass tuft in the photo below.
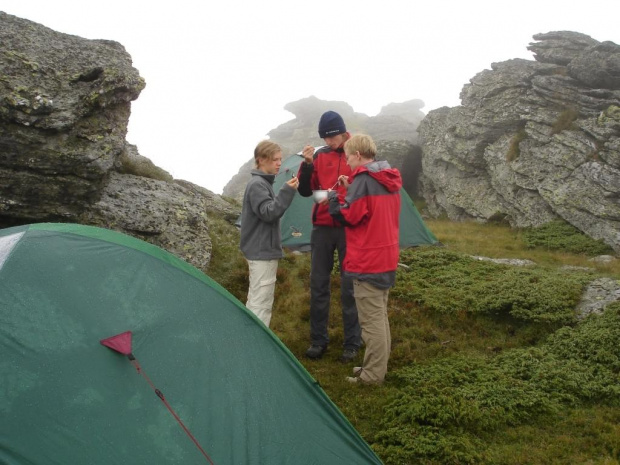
(513, 150)
(565, 121)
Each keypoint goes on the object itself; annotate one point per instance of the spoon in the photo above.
(337, 182)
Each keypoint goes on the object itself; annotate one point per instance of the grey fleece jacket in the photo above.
(260, 217)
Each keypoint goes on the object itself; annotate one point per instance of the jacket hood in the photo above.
(381, 171)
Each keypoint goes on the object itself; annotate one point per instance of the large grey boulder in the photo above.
(65, 103)
(533, 141)
(166, 214)
(64, 107)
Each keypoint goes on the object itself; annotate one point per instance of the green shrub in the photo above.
(449, 282)
(559, 235)
(456, 400)
(595, 341)
(409, 444)
(530, 294)
(442, 409)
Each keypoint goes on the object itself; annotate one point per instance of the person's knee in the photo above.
(320, 280)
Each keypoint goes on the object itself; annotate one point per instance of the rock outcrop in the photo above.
(599, 293)
(393, 129)
(532, 141)
(65, 103)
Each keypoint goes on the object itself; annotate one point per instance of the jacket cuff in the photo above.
(306, 168)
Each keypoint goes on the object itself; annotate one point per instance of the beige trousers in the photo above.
(262, 288)
(371, 305)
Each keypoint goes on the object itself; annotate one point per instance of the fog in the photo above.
(219, 74)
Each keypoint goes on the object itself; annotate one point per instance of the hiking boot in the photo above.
(315, 352)
(348, 355)
(353, 380)
(357, 371)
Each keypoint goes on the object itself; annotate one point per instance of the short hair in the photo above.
(363, 144)
(265, 150)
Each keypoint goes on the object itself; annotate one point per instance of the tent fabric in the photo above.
(67, 399)
(296, 224)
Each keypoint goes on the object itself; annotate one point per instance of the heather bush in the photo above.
(450, 282)
(444, 406)
(559, 235)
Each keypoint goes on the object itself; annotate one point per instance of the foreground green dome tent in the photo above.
(67, 399)
(296, 224)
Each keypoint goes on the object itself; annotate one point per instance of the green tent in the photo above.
(239, 396)
(296, 224)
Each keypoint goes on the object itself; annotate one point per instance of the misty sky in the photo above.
(218, 74)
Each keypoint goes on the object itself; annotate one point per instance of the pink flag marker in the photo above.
(120, 343)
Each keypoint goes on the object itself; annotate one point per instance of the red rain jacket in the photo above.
(327, 166)
(370, 212)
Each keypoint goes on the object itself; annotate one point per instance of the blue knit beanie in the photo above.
(331, 124)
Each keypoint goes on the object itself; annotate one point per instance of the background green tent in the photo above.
(67, 399)
(296, 224)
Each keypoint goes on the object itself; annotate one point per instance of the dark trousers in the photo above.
(325, 240)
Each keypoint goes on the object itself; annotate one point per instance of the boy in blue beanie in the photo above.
(321, 170)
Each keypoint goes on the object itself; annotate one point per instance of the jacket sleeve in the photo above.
(265, 206)
(335, 207)
(308, 177)
(305, 178)
(354, 209)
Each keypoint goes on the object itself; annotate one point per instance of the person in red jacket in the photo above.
(370, 213)
(321, 170)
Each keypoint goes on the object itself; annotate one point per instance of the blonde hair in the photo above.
(265, 150)
(363, 144)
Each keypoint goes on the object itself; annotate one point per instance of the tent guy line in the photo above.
(122, 343)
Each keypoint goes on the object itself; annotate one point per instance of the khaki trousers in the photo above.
(262, 288)
(372, 311)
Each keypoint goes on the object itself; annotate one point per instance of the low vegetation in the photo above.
(513, 150)
(565, 121)
(559, 235)
(489, 363)
(142, 166)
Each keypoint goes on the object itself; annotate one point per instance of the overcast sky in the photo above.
(218, 74)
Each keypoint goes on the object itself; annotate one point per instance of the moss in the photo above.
(612, 113)
(23, 58)
(143, 167)
(93, 97)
